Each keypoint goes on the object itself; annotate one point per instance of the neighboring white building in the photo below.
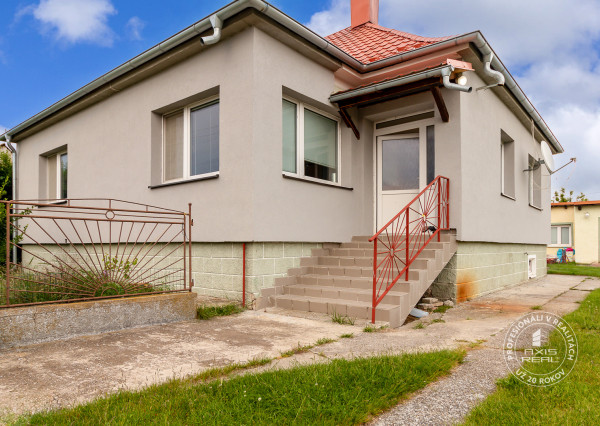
(276, 135)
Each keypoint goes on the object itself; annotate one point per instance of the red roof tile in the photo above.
(370, 42)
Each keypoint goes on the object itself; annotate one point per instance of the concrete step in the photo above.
(339, 277)
(359, 294)
(365, 252)
(353, 309)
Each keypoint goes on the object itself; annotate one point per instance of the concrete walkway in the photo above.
(57, 374)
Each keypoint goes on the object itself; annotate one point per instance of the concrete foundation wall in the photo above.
(479, 268)
(41, 323)
(217, 268)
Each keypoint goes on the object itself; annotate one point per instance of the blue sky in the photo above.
(49, 48)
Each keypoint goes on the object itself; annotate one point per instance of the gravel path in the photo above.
(450, 399)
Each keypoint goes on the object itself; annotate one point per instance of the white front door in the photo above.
(401, 173)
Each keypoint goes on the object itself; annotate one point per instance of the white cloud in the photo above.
(134, 28)
(580, 130)
(331, 20)
(550, 46)
(74, 21)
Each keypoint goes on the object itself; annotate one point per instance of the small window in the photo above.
(191, 142)
(310, 140)
(535, 183)
(507, 159)
(57, 168)
(560, 235)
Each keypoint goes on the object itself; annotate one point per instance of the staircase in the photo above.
(340, 279)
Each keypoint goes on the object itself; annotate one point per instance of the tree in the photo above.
(5, 194)
(561, 197)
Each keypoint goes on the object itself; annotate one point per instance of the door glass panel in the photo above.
(400, 164)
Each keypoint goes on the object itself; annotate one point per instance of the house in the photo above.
(294, 144)
(576, 225)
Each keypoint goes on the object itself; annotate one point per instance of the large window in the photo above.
(507, 159)
(191, 142)
(560, 235)
(310, 142)
(57, 168)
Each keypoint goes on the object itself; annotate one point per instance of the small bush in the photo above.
(208, 312)
(342, 319)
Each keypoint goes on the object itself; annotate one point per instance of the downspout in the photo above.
(453, 86)
(13, 151)
(487, 70)
(217, 25)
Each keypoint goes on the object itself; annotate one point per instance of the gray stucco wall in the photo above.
(487, 215)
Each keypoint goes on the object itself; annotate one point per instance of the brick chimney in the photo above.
(364, 11)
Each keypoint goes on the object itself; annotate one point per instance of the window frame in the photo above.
(187, 141)
(559, 242)
(300, 172)
(58, 187)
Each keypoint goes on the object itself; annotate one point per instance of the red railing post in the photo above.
(374, 280)
(244, 275)
(407, 242)
(190, 224)
(7, 254)
(447, 203)
(439, 207)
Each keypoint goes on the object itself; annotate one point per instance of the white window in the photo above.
(535, 183)
(57, 168)
(310, 142)
(191, 142)
(560, 235)
(507, 159)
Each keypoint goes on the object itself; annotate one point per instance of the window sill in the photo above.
(535, 207)
(181, 182)
(508, 196)
(57, 202)
(560, 246)
(317, 182)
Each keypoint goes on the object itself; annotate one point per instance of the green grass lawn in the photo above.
(573, 269)
(574, 401)
(339, 392)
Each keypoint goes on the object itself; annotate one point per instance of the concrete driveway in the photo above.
(62, 373)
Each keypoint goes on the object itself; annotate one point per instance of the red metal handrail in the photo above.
(431, 210)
